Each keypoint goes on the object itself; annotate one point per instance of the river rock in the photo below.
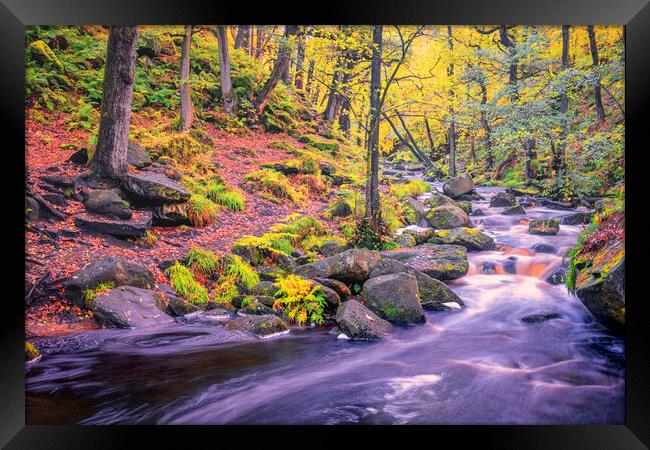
(503, 199)
(539, 318)
(469, 197)
(267, 288)
(131, 307)
(136, 226)
(331, 296)
(154, 188)
(263, 325)
(469, 238)
(104, 270)
(578, 218)
(254, 307)
(421, 235)
(558, 276)
(358, 322)
(544, 226)
(442, 262)
(394, 297)
(544, 248)
(104, 201)
(438, 199)
(178, 306)
(339, 287)
(514, 211)
(457, 186)
(446, 217)
(603, 203)
(418, 208)
(434, 294)
(350, 266)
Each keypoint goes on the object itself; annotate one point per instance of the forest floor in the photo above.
(60, 258)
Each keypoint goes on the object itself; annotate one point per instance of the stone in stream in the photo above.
(434, 294)
(135, 227)
(358, 322)
(544, 248)
(442, 262)
(331, 296)
(418, 208)
(394, 297)
(503, 199)
(178, 306)
(338, 286)
(558, 276)
(578, 218)
(539, 318)
(350, 266)
(259, 325)
(510, 265)
(514, 211)
(154, 188)
(478, 212)
(446, 217)
(469, 197)
(104, 201)
(254, 307)
(421, 235)
(469, 238)
(109, 269)
(438, 199)
(457, 186)
(131, 307)
(544, 226)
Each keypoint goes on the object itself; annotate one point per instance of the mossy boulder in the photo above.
(434, 294)
(459, 185)
(503, 199)
(269, 273)
(340, 208)
(470, 238)
(544, 226)
(321, 143)
(394, 297)
(352, 266)
(43, 54)
(104, 270)
(421, 235)
(516, 210)
(154, 188)
(438, 199)
(404, 240)
(358, 322)
(259, 325)
(578, 218)
(442, 262)
(104, 201)
(417, 211)
(446, 217)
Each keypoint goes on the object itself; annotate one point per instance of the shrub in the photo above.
(301, 299)
(202, 211)
(226, 290)
(89, 295)
(301, 226)
(314, 243)
(273, 185)
(202, 262)
(269, 245)
(240, 270)
(183, 282)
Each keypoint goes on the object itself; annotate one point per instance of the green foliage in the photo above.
(273, 185)
(217, 191)
(411, 188)
(89, 295)
(183, 282)
(364, 236)
(301, 299)
(240, 271)
(314, 243)
(202, 262)
(271, 245)
(574, 251)
(301, 226)
(201, 210)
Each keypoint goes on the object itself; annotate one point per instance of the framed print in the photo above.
(379, 215)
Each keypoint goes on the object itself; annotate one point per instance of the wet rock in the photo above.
(539, 318)
(488, 267)
(178, 306)
(103, 201)
(154, 188)
(104, 270)
(469, 238)
(558, 276)
(351, 266)
(553, 204)
(544, 226)
(478, 212)
(358, 322)
(465, 206)
(395, 298)
(469, 197)
(544, 248)
(578, 218)
(514, 211)
(503, 199)
(446, 217)
(339, 287)
(434, 294)
(136, 226)
(442, 262)
(254, 307)
(259, 325)
(457, 186)
(131, 307)
(331, 296)
(137, 156)
(510, 265)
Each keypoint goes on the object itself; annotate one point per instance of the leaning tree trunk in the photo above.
(279, 68)
(229, 98)
(452, 124)
(598, 100)
(310, 75)
(373, 211)
(300, 58)
(119, 74)
(187, 111)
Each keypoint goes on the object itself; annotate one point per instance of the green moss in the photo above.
(412, 188)
(44, 54)
(301, 226)
(273, 185)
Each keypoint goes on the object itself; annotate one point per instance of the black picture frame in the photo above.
(15, 14)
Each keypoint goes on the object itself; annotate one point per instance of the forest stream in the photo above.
(482, 364)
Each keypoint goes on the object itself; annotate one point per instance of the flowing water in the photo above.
(481, 365)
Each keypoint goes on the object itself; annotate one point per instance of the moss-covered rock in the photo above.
(154, 188)
(459, 185)
(503, 199)
(358, 322)
(470, 238)
(438, 199)
(321, 143)
(544, 226)
(516, 210)
(394, 297)
(446, 217)
(442, 262)
(43, 54)
(259, 325)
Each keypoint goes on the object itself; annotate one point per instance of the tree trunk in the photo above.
(279, 68)
(229, 98)
(531, 154)
(119, 74)
(507, 42)
(489, 159)
(373, 212)
(310, 75)
(259, 41)
(187, 110)
(332, 98)
(598, 100)
(429, 137)
(559, 161)
(452, 125)
(243, 37)
(472, 151)
(300, 57)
